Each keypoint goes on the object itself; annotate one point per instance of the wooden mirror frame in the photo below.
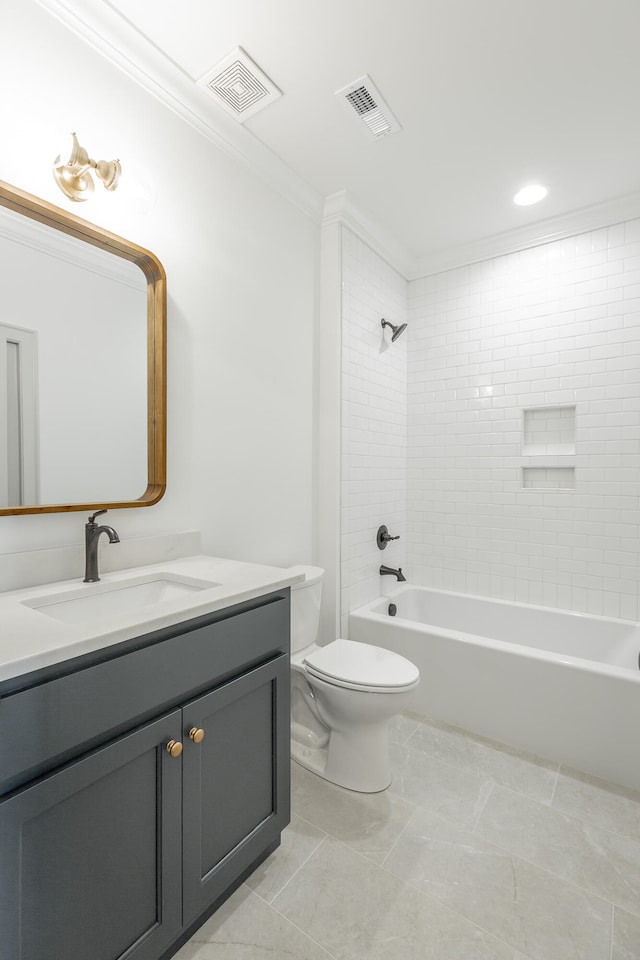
(36, 209)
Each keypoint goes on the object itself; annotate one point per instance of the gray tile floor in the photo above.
(475, 852)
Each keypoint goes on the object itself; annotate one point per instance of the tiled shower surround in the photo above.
(522, 414)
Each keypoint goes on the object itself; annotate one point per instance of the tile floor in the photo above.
(475, 852)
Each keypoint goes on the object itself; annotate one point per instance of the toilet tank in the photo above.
(305, 607)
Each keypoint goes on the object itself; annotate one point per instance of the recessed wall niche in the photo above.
(548, 478)
(549, 431)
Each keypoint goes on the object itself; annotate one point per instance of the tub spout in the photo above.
(398, 574)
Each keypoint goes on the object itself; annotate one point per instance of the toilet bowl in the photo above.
(342, 697)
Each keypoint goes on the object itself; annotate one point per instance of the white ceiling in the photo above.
(491, 95)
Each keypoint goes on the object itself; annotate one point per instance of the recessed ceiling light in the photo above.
(530, 194)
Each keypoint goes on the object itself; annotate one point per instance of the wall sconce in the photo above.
(72, 171)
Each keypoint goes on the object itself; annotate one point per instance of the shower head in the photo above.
(396, 330)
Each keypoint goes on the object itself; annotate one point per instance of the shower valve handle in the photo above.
(383, 537)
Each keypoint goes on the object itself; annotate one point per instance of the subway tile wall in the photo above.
(556, 326)
(374, 421)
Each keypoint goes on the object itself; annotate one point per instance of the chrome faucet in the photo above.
(91, 536)
(398, 574)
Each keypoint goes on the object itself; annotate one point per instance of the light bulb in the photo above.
(67, 146)
(531, 194)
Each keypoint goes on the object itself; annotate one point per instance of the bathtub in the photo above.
(565, 686)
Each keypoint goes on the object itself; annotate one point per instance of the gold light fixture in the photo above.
(72, 171)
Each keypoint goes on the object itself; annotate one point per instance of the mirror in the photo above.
(82, 364)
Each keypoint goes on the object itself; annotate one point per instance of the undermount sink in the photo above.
(110, 599)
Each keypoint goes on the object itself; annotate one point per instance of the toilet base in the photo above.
(360, 764)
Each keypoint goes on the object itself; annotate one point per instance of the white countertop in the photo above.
(30, 639)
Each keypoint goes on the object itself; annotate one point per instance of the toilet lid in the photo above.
(361, 665)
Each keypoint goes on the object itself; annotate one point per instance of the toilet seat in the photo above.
(361, 666)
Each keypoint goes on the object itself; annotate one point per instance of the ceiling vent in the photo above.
(239, 85)
(366, 101)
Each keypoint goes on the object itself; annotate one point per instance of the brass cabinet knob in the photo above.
(196, 734)
(174, 748)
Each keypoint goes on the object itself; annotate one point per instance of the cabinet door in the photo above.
(236, 780)
(90, 856)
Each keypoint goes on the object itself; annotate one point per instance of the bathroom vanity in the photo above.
(144, 719)
(144, 764)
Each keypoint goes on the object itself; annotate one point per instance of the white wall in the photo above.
(241, 269)
(555, 326)
(374, 421)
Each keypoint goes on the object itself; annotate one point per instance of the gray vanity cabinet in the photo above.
(236, 783)
(91, 855)
(119, 850)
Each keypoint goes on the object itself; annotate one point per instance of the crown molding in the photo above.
(109, 33)
(97, 23)
(339, 208)
(544, 231)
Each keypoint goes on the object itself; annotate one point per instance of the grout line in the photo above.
(467, 920)
(404, 883)
(564, 880)
(557, 876)
(472, 829)
(548, 870)
(400, 835)
(299, 868)
(477, 770)
(586, 821)
(514, 856)
(473, 923)
(613, 922)
(555, 784)
(299, 929)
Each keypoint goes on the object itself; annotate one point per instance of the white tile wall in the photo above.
(554, 326)
(433, 427)
(374, 421)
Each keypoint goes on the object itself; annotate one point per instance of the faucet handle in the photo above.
(383, 537)
(92, 518)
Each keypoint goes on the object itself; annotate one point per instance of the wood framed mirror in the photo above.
(82, 364)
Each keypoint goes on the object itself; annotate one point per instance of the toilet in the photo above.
(342, 697)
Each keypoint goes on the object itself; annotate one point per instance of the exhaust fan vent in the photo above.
(365, 99)
(239, 85)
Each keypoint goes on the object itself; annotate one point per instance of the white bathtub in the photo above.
(565, 686)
